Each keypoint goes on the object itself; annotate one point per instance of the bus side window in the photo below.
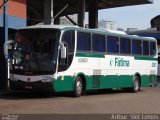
(125, 46)
(69, 41)
(136, 47)
(152, 48)
(83, 42)
(98, 43)
(112, 44)
(145, 47)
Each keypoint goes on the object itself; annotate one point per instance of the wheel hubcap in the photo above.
(79, 87)
(136, 85)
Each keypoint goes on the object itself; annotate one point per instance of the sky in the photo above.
(138, 16)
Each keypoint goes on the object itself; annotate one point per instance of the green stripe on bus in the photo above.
(146, 58)
(90, 55)
(103, 56)
(66, 83)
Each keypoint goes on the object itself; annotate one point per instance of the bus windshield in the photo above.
(35, 51)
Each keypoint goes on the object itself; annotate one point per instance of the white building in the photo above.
(132, 29)
(108, 25)
(65, 21)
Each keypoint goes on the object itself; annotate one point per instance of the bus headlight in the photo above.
(13, 78)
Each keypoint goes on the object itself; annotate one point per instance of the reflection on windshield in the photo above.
(43, 54)
(35, 49)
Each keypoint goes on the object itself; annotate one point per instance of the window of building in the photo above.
(136, 47)
(152, 48)
(145, 48)
(83, 41)
(98, 43)
(125, 46)
(112, 44)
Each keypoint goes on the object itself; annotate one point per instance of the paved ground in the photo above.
(146, 101)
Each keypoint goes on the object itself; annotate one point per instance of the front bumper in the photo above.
(31, 86)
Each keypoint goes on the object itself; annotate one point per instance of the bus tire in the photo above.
(136, 84)
(78, 87)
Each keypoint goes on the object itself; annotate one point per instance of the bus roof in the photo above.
(47, 26)
(99, 31)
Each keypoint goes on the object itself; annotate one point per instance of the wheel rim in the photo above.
(136, 84)
(79, 87)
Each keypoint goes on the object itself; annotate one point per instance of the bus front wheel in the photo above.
(78, 87)
(136, 84)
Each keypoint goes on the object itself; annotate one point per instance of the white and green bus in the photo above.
(66, 58)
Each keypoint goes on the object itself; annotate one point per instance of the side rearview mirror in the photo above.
(7, 45)
(63, 51)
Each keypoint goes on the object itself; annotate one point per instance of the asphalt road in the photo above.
(120, 102)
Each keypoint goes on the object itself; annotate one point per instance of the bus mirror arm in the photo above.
(63, 51)
(6, 47)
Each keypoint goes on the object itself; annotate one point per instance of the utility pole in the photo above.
(3, 58)
(81, 13)
(52, 12)
(4, 3)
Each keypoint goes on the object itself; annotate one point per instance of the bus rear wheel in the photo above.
(78, 87)
(136, 84)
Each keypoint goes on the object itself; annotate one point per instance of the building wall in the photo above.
(16, 18)
(17, 14)
(1, 10)
(21, 12)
